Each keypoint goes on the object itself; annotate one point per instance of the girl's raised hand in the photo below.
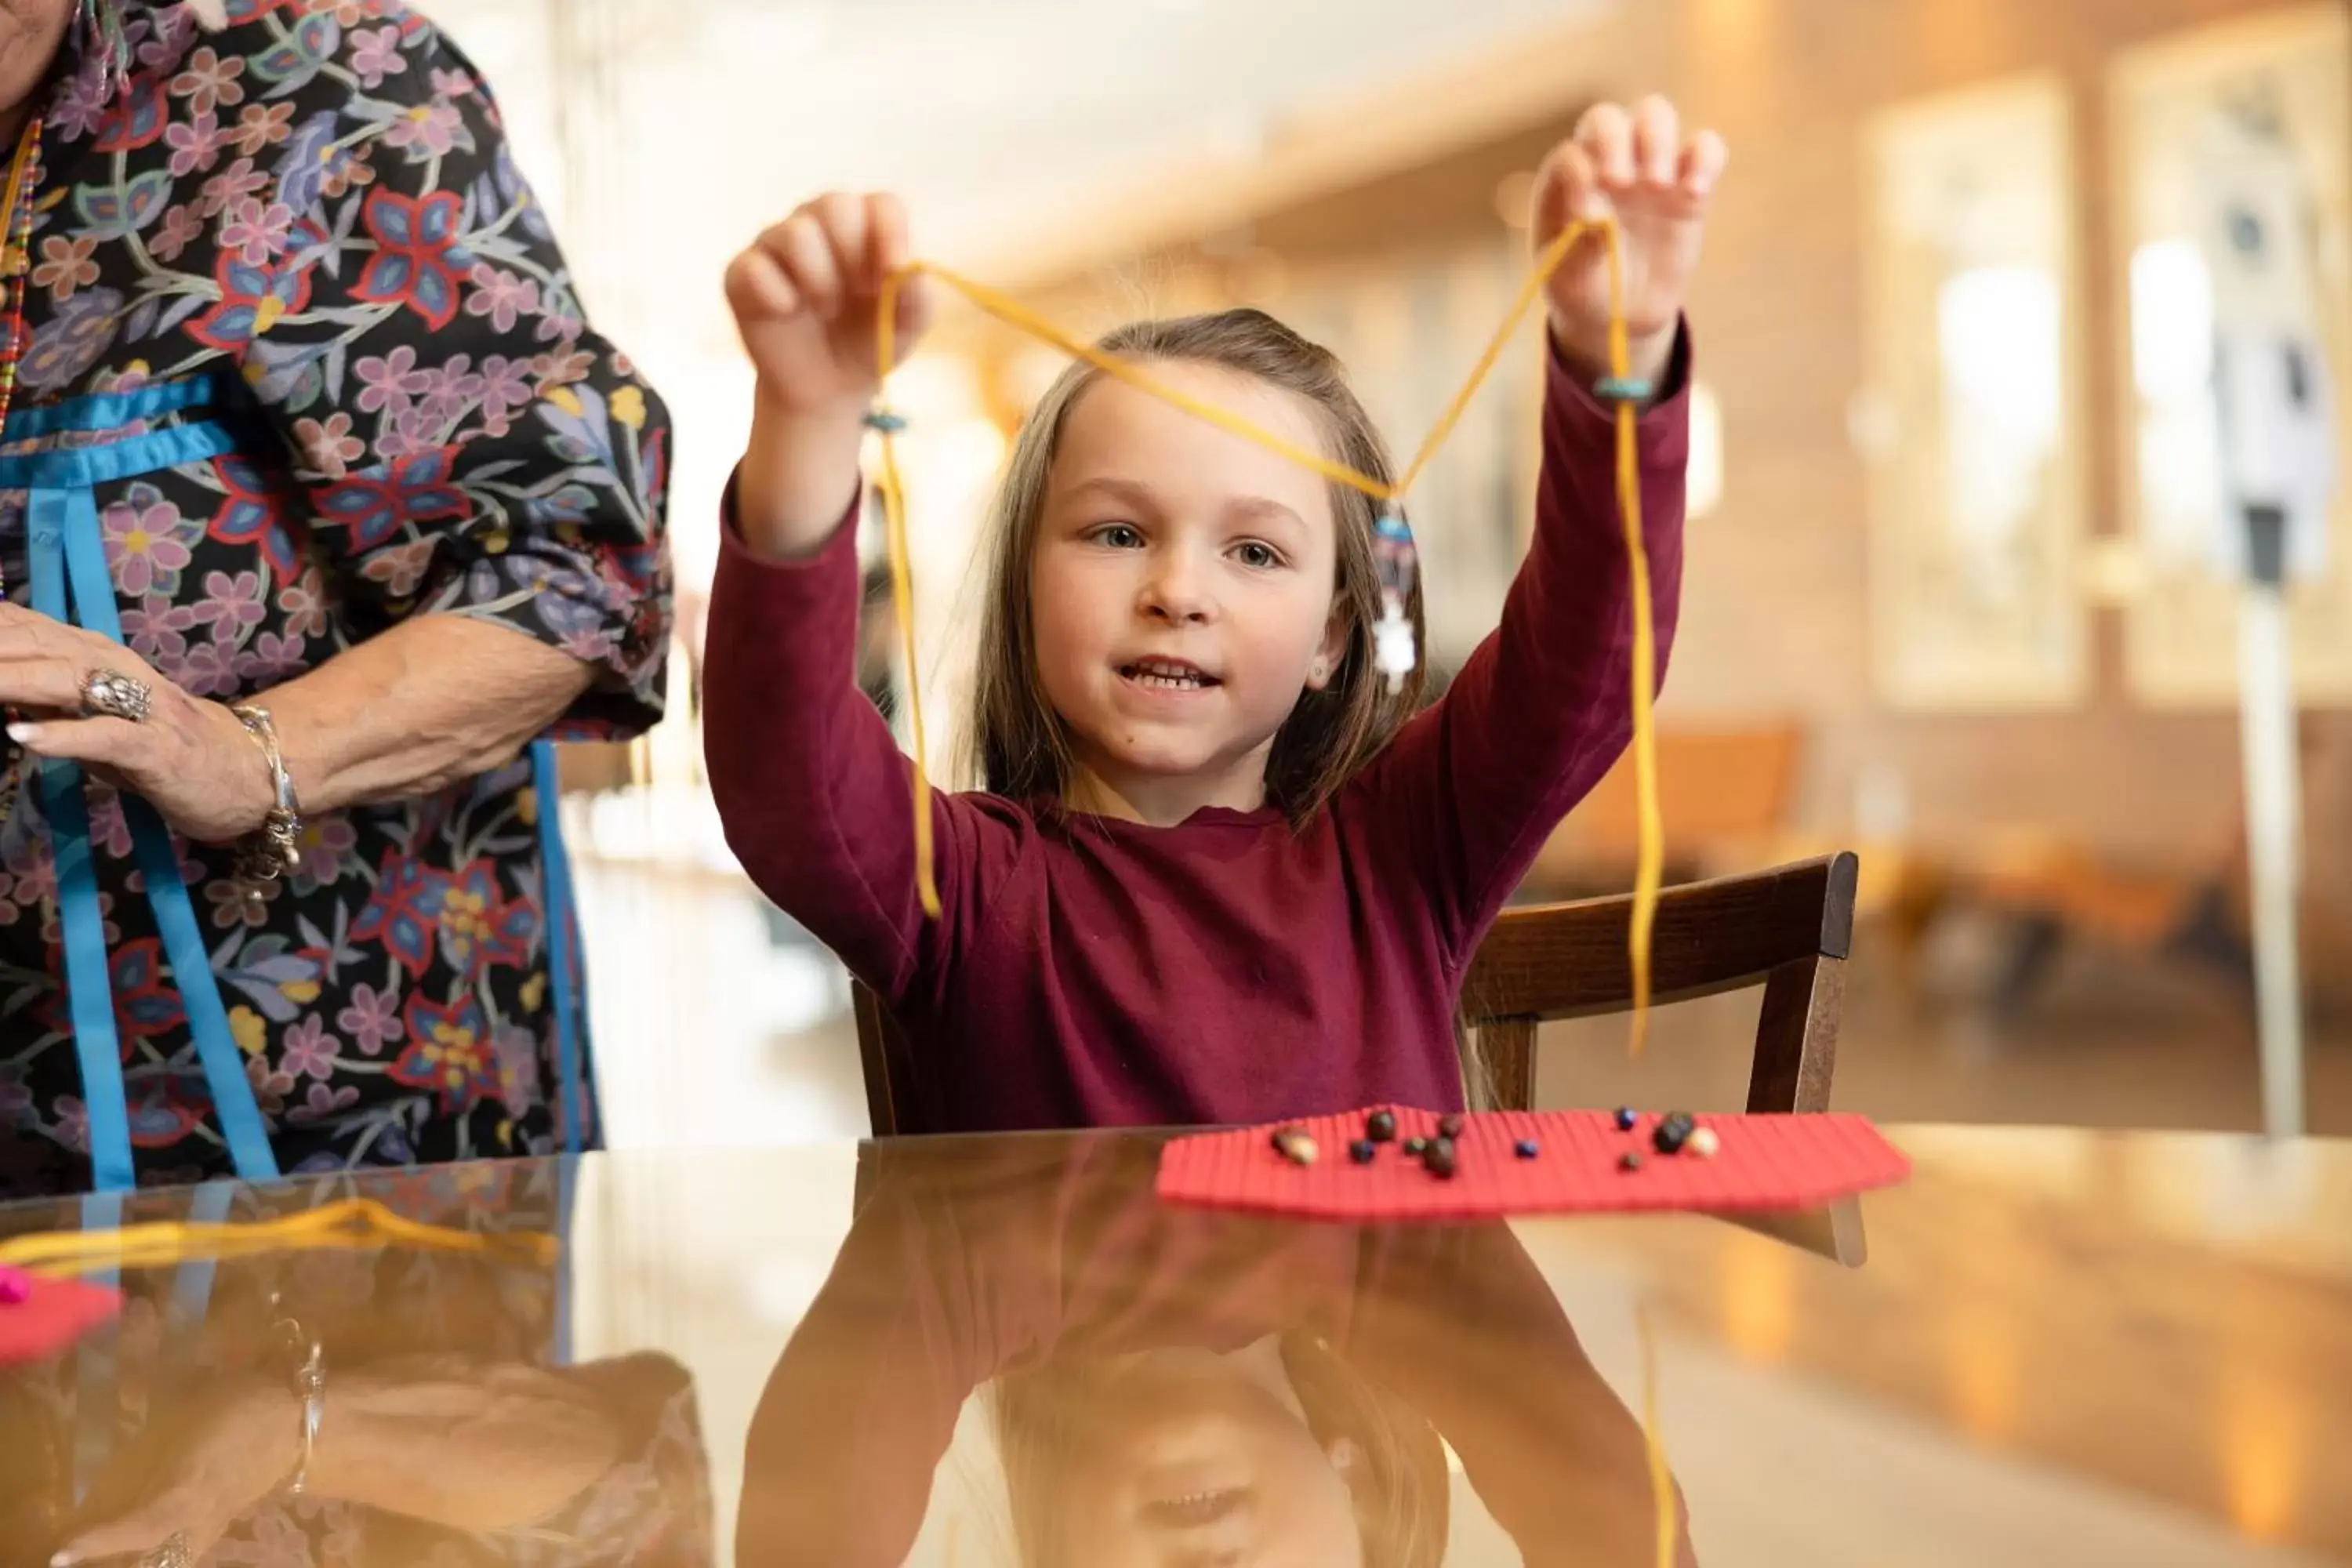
(1639, 167)
(807, 299)
(806, 296)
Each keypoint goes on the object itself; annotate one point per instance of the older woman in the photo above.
(320, 504)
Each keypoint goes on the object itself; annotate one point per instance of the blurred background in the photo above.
(1959, 594)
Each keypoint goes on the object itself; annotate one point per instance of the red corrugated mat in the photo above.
(1764, 1162)
(54, 1315)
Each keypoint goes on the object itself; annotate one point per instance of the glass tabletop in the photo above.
(2049, 1346)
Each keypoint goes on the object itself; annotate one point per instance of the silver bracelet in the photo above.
(271, 850)
(309, 1377)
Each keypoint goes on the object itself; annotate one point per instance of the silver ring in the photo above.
(110, 694)
(173, 1553)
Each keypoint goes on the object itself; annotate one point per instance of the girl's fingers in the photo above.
(1658, 140)
(808, 263)
(1702, 164)
(1605, 132)
(756, 288)
(889, 248)
(842, 219)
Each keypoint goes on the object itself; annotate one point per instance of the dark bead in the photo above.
(1362, 1151)
(1525, 1149)
(1439, 1157)
(1381, 1126)
(1416, 1147)
(1672, 1132)
(1625, 1118)
(1449, 1126)
(1631, 1160)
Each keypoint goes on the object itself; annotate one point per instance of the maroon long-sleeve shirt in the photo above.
(1229, 969)
(969, 1262)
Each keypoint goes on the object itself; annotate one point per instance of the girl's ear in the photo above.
(1330, 652)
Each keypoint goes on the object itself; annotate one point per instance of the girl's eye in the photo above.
(1258, 555)
(1118, 536)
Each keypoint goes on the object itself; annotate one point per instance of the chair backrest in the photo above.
(1788, 930)
(892, 1102)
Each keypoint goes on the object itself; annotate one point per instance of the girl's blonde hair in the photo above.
(1021, 746)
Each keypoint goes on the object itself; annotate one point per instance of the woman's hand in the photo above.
(241, 1445)
(190, 759)
(807, 298)
(1638, 167)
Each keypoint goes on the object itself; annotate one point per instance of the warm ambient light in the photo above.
(1980, 1367)
(1703, 475)
(2263, 1426)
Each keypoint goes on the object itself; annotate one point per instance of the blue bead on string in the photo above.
(885, 421)
(1621, 389)
(1394, 650)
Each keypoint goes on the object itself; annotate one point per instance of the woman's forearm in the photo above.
(474, 1449)
(432, 701)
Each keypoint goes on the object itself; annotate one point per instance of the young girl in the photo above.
(1220, 872)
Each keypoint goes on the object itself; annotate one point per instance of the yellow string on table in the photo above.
(351, 1225)
(1651, 853)
(1654, 1447)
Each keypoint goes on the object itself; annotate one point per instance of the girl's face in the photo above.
(1195, 1457)
(1182, 587)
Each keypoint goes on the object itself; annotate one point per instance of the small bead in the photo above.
(1362, 1151)
(1298, 1149)
(15, 1288)
(1621, 389)
(1439, 1159)
(1703, 1142)
(1625, 1118)
(1381, 1126)
(1281, 1138)
(1631, 1160)
(1449, 1126)
(884, 420)
(1416, 1147)
(1525, 1149)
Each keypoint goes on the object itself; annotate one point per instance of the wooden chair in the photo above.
(1788, 930)
(888, 1061)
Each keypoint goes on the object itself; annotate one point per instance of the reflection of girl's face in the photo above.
(1200, 1458)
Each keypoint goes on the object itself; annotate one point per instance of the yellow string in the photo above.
(1010, 312)
(353, 1224)
(1654, 1447)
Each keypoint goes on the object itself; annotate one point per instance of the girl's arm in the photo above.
(814, 793)
(1462, 1325)
(1470, 789)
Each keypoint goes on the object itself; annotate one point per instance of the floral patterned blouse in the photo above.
(317, 202)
